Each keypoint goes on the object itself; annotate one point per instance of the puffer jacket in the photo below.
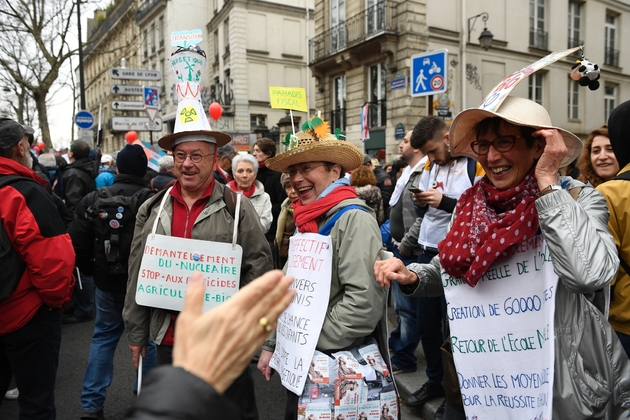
(213, 224)
(591, 369)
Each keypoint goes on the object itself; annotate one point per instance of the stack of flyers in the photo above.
(373, 358)
(389, 405)
(348, 392)
(370, 410)
(318, 412)
(345, 413)
(318, 372)
(347, 365)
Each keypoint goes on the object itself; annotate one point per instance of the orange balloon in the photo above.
(131, 136)
(216, 110)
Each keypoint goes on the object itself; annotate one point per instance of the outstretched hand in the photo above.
(393, 269)
(218, 345)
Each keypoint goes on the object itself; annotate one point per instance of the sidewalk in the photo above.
(408, 383)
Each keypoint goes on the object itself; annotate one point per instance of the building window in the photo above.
(536, 88)
(161, 30)
(226, 35)
(574, 100)
(145, 44)
(337, 24)
(257, 120)
(215, 5)
(611, 54)
(152, 40)
(377, 94)
(575, 25)
(375, 16)
(537, 34)
(338, 114)
(610, 100)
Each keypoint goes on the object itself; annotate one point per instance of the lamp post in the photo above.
(485, 41)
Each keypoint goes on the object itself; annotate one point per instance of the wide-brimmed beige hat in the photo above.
(515, 110)
(313, 147)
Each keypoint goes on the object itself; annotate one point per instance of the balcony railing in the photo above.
(611, 57)
(373, 21)
(538, 39)
(338, 119)
(112, 18)
(144, 8)
(377, 114)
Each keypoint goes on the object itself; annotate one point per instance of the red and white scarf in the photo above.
(488, 223)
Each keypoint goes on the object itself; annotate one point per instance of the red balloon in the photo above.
(41, 145)
(215, 110)
(131, 136)
(37, 149)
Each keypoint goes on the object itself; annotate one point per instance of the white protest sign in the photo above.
(310, 263)
(502, 336)
(503, 89)
(168, 263)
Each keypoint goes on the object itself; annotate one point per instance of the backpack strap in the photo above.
(625, 176)
(327, 228)
(230, 198)
(152, 184)
(472, 170)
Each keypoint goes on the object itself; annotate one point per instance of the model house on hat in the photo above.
(191, 122)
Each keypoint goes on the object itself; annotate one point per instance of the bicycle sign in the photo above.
(428, 72)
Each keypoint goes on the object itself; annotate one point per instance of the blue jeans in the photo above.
(404, 339)
(31, 354)
(432, 312)
(84, 298)
(108, 328)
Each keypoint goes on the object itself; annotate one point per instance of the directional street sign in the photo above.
(126, 89)
(136, 124)
(130, 105)
(84, 119)
(134, 74)
(429, 73)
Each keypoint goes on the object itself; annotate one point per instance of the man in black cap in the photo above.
(101, 234)
(37, 284)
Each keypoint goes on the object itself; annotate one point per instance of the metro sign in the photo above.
(135, 74)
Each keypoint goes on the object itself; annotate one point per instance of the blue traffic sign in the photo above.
(151, 97)
(429, 72)
(84, 119)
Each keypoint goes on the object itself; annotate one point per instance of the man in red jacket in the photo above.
(30, 317)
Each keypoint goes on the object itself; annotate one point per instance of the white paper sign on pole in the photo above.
(168, 263)
(502, 336)
(299, 326)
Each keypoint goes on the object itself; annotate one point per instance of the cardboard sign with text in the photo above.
(299, 326)
(502, 335)
(288, 98)
(168, 263)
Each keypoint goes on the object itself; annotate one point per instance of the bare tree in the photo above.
(33, 48)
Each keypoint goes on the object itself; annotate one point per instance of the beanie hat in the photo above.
(132, 160)
(11, 133)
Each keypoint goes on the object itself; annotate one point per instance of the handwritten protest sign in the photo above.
(168, 263)
(502, 336)
(502, 90)
(288, 98)
(310, 263)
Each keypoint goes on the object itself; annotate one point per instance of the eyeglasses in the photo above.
(303, 169)
(500, 144)
(195, 157)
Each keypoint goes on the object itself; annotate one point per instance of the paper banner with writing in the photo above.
(299, 326)
(288, 98)
(167, 266)
(503, 89)
(502, 336)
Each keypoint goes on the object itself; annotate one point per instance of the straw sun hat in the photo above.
(515, 110)
(316, 143)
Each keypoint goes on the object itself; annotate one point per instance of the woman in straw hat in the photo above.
(328, 205)
(531, 246)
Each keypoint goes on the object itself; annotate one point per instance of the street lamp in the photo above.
(485, 39)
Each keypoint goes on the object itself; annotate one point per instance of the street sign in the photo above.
(136, 124)
(398, 82)
(135, 74)
(399, 134)
(84, 119)
(130, 105)
(429, 73)
(85, 133)
(151, 100)
(126, 89)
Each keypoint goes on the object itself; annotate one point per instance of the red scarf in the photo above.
(307, 216)
(261, 164)
(247, 193)
(488, 223)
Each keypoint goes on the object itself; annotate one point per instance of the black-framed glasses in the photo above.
(303, 169)
(195, 157)
(500, 144)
